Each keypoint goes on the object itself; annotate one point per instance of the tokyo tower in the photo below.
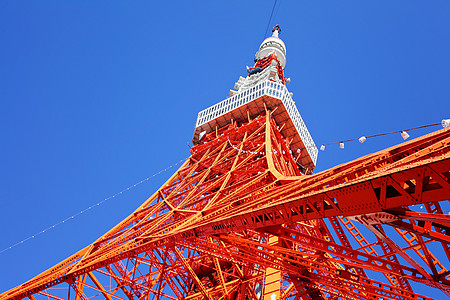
(245, 217)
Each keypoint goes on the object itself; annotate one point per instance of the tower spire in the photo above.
(276, 31)
(273, 45)
(263, 88)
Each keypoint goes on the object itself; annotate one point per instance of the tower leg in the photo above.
(272, 277)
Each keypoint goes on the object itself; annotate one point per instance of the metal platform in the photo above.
(273, 95)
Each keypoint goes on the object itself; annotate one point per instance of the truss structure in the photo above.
(244, 218)
(238, 220)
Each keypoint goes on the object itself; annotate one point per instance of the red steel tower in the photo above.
(245, 218)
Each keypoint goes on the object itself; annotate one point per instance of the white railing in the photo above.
(269, 88)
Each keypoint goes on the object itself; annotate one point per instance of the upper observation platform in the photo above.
(264, 87)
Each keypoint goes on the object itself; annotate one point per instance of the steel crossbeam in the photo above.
(241, 189)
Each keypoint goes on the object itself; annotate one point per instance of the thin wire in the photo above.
(270, 19)
(381, 134)
(91, 207)
(276, 11)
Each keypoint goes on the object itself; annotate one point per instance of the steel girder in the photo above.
(239, 220)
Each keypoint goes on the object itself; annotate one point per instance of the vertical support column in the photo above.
(272, 277)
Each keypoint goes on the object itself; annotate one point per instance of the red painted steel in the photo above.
(350, 232)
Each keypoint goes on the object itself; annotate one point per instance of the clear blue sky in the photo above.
(97, 95)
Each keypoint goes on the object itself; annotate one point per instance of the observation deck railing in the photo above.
(268, 88)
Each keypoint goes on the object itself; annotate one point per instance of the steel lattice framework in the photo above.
(238, 219)
(243, 218)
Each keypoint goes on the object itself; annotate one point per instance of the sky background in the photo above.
(98, 95)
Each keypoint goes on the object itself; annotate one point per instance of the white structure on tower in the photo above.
(264, 86)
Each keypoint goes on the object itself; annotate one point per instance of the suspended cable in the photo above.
(362, 139)
(270, 19)
(91, 207)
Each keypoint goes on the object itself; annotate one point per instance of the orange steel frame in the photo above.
(238, 220)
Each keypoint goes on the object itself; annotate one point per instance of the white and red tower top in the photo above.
(263, 88)
(274, 45)
(272, 52)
